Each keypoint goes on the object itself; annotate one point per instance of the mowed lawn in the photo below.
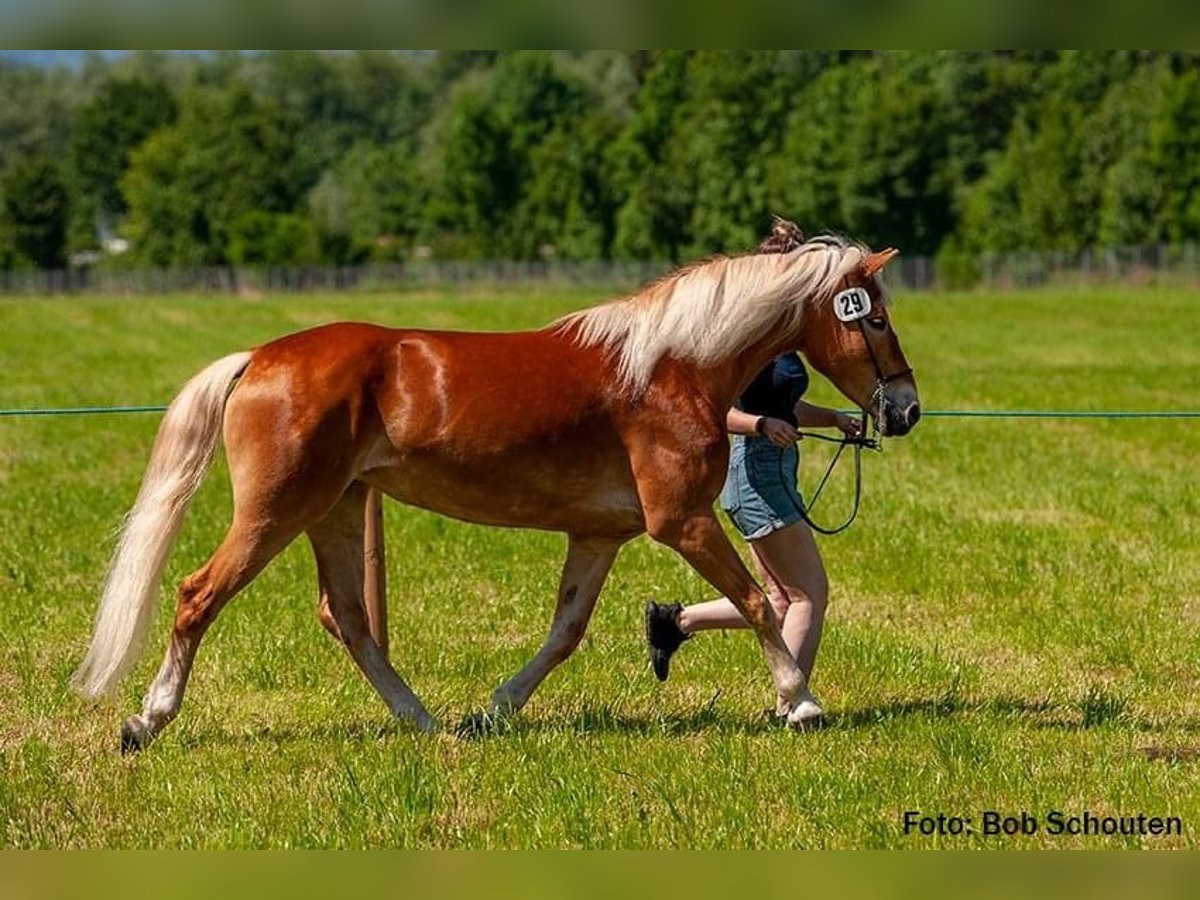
(1014, 617)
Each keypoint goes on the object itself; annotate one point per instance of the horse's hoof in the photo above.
(807, 715)
(134, 736)
(481, 724)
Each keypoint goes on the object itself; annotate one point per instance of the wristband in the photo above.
(758, 426)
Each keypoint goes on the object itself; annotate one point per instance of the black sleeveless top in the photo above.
(775, 390)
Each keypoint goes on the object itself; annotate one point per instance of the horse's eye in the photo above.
(878, 322)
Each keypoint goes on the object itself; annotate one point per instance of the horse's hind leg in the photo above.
(241, 556)
(337, 542)
(587, 565)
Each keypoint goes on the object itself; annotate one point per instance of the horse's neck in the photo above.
(724, 382)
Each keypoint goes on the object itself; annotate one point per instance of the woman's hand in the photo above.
(778, 432)
(848, 425)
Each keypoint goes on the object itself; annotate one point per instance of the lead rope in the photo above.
(858, 443)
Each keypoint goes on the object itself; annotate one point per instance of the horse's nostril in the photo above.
(914, 414)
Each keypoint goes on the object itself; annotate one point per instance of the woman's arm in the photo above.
(813, 416)
(777, 431)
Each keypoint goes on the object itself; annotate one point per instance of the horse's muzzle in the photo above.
(898, 412)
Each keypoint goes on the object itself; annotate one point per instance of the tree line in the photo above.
(302, 157)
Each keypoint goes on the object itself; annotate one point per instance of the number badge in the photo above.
(852, 304)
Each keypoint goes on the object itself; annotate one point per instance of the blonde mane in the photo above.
(713, 310)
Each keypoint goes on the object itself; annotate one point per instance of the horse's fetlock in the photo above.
(791, 687)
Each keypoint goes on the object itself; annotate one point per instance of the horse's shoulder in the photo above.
(677, 411)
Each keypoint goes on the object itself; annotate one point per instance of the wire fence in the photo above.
(1158, 264)
(1154, 264)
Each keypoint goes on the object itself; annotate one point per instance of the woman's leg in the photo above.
(794, 575)
(717, 614)
(668, 625)
(791, 557)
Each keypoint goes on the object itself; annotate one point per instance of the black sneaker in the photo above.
(663, 634)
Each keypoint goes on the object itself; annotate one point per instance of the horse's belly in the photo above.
(578, 499)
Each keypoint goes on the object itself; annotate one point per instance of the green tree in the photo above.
(566, 208)
(1031, 197)
(470, 175)
(804, 177)
(651, 221)
(37, 108)
(1102, 158)
(882, 146)
(1117, 153)
(480, 158)
(1173, 156)
(272, 239)
(649, 154)
(108, 128)
(1081, 78)
(369, 206)
(189, 183)
(991, 214)
(894, 150)
(982, 93)
(304, 87)
(723, 142)
(448, 67)
(33, 215)
(387, 99)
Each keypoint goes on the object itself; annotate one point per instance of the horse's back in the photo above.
(499, 428)
(430, 383)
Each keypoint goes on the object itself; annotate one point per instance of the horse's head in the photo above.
(849, 339)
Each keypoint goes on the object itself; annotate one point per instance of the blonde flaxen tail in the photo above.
(183, 451)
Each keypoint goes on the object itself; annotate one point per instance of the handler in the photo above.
(762, 501)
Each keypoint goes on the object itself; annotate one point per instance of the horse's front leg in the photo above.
(698, 538)
(587, 565)
(676, 490)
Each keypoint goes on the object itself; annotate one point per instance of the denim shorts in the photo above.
(760, 493)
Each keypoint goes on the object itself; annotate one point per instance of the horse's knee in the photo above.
(666, 530)
(760, 609)
(779, 604)
(565, 638)
(571, 637)
(686, 534)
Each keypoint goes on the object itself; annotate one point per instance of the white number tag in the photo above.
(852, 304)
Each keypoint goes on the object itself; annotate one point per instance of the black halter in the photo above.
(881, 380)
(858, 443)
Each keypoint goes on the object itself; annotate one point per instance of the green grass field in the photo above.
(1014, 617)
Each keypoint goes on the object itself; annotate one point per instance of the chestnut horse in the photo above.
(605, 424)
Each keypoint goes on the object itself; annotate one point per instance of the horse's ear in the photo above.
(874, 263)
